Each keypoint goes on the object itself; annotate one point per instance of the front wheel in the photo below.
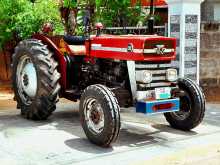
(192, 107)
(99, 114)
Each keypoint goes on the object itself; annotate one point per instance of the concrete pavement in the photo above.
(143, 140)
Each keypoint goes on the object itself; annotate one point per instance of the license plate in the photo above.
(163, 93)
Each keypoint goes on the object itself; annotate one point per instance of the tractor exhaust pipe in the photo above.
(151, 19)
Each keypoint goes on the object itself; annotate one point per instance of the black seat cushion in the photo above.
(74, 40)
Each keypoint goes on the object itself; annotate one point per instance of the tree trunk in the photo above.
(69, 19)
(5, 70)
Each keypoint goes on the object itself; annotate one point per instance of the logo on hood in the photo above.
(160, 49)
(130, 47)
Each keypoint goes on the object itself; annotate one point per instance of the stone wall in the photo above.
(207, 11)
(210, 60)
(210, 10)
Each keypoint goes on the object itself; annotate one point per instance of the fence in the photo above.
(160, 30)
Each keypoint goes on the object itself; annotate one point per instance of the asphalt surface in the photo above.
(143, 140)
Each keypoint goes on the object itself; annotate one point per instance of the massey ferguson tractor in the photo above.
(104, 72)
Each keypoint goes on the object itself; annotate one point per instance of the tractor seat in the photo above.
(74, 40)
(77, 49)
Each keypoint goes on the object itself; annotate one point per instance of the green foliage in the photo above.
(21, 18)
(70, 3)
(118, 12)
(111, 12)
(114, 12)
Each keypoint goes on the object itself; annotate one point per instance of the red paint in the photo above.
(160, 107)
(147, 2)
(68, 49)
(138, 42)
(58, 56)
(90, 60)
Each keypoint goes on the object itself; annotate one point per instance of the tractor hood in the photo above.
(133, 47)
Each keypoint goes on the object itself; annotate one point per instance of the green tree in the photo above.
(118, 12)
(19, 19)
(109, 12)
(70, 3)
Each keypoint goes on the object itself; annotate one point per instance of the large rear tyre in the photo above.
(99, 114)
(35, 79)
(192, 107)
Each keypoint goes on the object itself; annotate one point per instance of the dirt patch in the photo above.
(6, 104)
(5, 87)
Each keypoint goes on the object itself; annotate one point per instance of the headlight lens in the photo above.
(144, 76)
(172, 75)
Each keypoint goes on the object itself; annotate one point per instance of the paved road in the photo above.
(143, 140)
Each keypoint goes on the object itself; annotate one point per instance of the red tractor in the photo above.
(104, 72)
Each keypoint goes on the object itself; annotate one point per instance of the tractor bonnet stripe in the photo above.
(125, 50)
(114, 49)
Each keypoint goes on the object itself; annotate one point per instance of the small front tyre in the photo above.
(99, 114)
(192, 107)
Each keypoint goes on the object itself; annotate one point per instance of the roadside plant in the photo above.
(19, 19)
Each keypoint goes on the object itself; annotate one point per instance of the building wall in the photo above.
(210, 49)
(207, 11)
(210, 60)
(217, 11)
(210, 10)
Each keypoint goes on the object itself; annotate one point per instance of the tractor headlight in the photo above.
(172, 75)
(144, 76)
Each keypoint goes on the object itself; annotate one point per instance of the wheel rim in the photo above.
(94, 116)
(26, 79)
(185, 108)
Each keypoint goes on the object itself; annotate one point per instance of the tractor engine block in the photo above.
(111, 73)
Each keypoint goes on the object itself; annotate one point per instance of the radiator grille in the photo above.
(158, 71)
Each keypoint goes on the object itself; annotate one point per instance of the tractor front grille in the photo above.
(158, 71)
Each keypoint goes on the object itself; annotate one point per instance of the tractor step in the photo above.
(72, 94)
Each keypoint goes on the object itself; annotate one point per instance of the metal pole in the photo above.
(151, 19)
(151, 7)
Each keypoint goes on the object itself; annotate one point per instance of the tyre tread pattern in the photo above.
(198, 108)
(48, 86)
(111, 101)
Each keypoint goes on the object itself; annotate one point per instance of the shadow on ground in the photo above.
(66, 118)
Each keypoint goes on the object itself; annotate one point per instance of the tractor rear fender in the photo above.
(58, 55)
